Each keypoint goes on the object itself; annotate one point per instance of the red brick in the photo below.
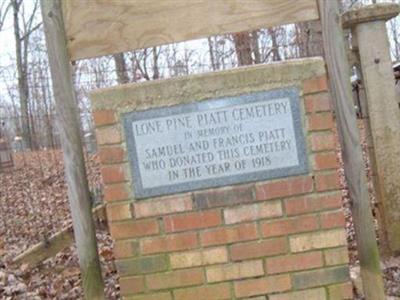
(113, 173)
(320, 121)
(157, 296)
(316, 84)
(294, 262)
(191, 221)
(327, 182)
(342, 291)
(326, 161)
(262, 286)
(333, 219)
(104, 117)
(284, 188)
(163, 206)
(108, 135)
(322, 141)
(142, 265)
(115, 192)
(175, 279)
(336, 256)
(224, 196)
(313, 203)
(311, 294)
(119, 212)
(318, 240)
(124, 248)
(289, 226)
(111, 155)
(253, 212)
(169, 243)
(219, 291)
(134, 229)
(233, 271)
(227, 235)
(207, 256)
(317, 103)
(258, 249)
(131, 285)
(320, 277)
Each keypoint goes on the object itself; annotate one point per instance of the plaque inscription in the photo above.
(251, 137)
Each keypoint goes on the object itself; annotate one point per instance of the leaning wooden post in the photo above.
(339, 78)
(369, 24)
(67, 112)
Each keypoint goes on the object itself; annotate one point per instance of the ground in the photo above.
(33, 206)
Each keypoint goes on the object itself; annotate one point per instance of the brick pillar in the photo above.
(282, 238)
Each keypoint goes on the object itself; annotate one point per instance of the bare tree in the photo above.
(275, 47)
(255, 47)
(243, 48)
(394, 32)
(139, 63)
(120, 67)
(212, 53)
(310, 39)
(21, 48)
(156, 53)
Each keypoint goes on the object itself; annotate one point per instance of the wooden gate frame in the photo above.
(77, 29)
(382, 116)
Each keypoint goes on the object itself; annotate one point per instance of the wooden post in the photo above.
(383, 242)
(369, 24)
(67, 113)
(339, 78)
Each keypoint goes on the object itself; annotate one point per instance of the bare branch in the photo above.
(4, 9)
(28, 33)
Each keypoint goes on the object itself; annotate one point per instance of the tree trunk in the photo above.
(156, 71)
(395, 36)
(339, 74)
(243, 48)
(67, 112)
(47, 121)
(120, 66)
(212, 54)
(255, 47)
(275, 47)
(23, 88)
(310, 39)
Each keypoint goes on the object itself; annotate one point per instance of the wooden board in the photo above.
(354, 169)
(102, 27)
(74, 161)
(56, 243)
(384, 116)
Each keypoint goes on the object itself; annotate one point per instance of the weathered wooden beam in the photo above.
(68, 121)
(56, 243)
(339, 78)
(370, 13)
(101, 27)
(383, 110)
(46, 249)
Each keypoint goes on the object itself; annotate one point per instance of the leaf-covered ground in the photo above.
(33, 206)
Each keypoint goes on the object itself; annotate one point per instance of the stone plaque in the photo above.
(224, 141)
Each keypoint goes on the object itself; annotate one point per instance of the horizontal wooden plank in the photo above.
(102, 27)
(56, 243)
